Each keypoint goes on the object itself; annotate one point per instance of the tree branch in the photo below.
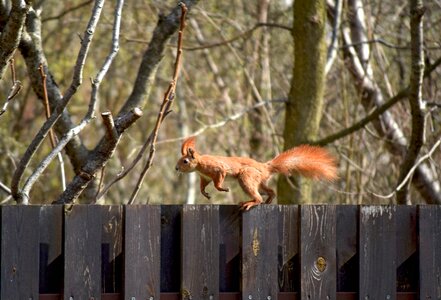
(415, 95)
(76, 81)
(107, 117)
(98, 158)
(165, 106)
(332, 49)
(153, 55)
(11, 33)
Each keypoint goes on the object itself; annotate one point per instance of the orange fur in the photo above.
(309, 161)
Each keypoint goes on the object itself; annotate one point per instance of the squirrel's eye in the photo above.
(186, 161)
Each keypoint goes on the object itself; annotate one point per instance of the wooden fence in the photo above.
(218, 252)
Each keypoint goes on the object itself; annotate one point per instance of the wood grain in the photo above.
(142, 248)
(318, 261)
(377, 252)
(200, 252)
(82, 250)
(19, 252)
(430, 251)
(260, 253)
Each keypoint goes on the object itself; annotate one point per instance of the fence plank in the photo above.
(111, 248)
(19, 252)
(82, 252)
(51, 249)
(317, 252)
(142, 251)
(170, 248)
(430, 251)
(259, 253)
(377, 252)
(200, 252)
(289, 265)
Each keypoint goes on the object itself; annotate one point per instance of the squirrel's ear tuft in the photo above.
(188, 143)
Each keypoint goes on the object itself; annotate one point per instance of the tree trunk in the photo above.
(305, 101)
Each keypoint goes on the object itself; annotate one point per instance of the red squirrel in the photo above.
(309, 161)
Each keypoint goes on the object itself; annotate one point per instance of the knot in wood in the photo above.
(186, 295)
(321, 263)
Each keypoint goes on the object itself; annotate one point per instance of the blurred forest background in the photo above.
(238, 86)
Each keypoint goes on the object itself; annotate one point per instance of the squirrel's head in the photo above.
(188, 162)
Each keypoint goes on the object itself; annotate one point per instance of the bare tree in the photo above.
(86, 162)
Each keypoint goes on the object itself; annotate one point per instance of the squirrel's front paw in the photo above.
(206, 195)
(225, 190)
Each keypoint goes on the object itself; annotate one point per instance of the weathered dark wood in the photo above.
(237, 296)
(347, 237)
(82, 250)
(142, 246)
(111, 248)
(230, 220)
(406, 256)
(200, 252)
(19, 252)
(430, 251)
(51, 249)
(377, 252)
(170, 248)
(318, 262)
(259, 252)
(289, 265)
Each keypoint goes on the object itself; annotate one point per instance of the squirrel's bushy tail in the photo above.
(309, 161)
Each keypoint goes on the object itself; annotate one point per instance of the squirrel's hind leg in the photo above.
(268, 191)
(249, 182)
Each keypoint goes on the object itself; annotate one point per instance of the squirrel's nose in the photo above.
(176, 168)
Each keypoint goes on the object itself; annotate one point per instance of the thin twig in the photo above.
(15, 88)
(241, 35)
(52, 135)
(411, 172)
(4, 188)
(67, 11)
(245, 34)
(224, 121)
(332, 50)
(100, 185)
(166, 104)
(374, 114)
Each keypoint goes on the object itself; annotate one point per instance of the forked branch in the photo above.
(165, 106)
